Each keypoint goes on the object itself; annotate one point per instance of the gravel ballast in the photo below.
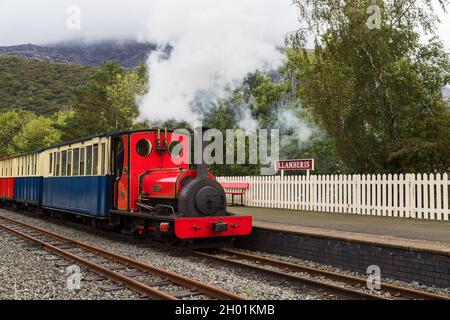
(26, 275)
(41, 279)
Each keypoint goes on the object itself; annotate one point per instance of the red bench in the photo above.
(241, 187)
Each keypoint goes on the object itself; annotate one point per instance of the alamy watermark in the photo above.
(73, 21)
(374, 277)
(232, 146)
(374, 20)
(74, 277)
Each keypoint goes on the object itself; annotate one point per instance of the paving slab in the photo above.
(387, 229)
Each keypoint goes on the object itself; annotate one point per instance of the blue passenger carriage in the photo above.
(77, 178)
(28, 181)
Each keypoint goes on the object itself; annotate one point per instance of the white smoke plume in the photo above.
(302, 130)
(215, 44)
(247, 122)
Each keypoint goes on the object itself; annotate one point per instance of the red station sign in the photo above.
(301, 164)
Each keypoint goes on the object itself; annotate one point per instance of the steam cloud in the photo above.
(215, 44)
(302, 130)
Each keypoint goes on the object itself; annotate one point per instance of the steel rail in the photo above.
(115, 276)
(191, 284)
(397, 292)
(394, 290)
(318, 284)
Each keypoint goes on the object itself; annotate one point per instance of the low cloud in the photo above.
(45, 21)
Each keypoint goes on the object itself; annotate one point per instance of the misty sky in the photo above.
(44, 21)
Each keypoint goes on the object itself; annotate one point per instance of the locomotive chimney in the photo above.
(200, 146)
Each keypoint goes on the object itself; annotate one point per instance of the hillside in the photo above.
(128, 53)
(40, 86)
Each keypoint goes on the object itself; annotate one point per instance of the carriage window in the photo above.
(63, 163)
(58, 163)
(103, 159)
(89, 160)
(95, 160)
(82, 161)
(69, 162)
(50, 167)
(76, 161)
(54, 163)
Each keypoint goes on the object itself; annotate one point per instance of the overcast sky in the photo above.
(44, 21)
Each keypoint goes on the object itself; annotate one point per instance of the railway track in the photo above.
(146, 280)
(343, 285)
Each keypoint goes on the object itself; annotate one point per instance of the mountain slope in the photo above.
(40, 86)
(127, 53)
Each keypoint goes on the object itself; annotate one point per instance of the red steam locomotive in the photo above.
(137, 181)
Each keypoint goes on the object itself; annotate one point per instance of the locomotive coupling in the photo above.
(220, 226)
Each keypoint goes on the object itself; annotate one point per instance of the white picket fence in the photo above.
(408, 196)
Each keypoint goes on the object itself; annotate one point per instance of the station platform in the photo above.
(411, 234)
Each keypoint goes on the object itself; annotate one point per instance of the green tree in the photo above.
(11, 123)
(108, 101)
(377, 91)
(266, 97)
(66, 122)
(123, 94)
(37, 133)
